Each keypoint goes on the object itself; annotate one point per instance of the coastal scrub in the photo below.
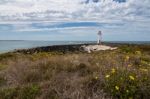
(123, 73)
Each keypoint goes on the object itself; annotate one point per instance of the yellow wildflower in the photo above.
(116, 87)
(144, 70)
(131, 77)
(121, 78)
(145, 78)
(96, 77)
(129, 65)
(127, 58)
(143, 62)
(138, 52)
(127, 91)
(113, 70)
(107, 76)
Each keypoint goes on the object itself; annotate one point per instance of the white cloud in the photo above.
(18, 17)
(74, 10)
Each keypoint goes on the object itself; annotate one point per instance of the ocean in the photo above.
(10, 45)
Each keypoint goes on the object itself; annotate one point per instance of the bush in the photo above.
(25, 92)
(29, 92)
(125, 84)
(9, 93)
(2, 80)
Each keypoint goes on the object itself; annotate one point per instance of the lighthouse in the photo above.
(99, 41)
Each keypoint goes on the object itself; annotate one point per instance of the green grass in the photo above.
(2, 67)
(119, 74)
(23, 92)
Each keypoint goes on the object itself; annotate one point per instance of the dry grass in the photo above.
(122, 74)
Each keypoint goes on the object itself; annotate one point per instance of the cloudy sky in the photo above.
(119, 20)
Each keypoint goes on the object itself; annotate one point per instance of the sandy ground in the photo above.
(91, 48)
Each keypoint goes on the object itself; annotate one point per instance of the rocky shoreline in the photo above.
(72, 48)
(59, 48)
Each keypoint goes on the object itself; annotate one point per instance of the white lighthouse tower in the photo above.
(99, 41)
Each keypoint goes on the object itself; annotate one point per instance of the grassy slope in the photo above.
(123, 73)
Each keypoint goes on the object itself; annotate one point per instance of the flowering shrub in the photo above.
(125, 84)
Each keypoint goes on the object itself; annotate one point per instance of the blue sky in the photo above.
(119, 20)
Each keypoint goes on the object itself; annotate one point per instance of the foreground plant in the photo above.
(125, 84)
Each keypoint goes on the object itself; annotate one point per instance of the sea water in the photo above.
(10, 45)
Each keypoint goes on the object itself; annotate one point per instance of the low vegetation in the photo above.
(119, 74)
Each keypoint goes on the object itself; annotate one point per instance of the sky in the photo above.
(75, 20)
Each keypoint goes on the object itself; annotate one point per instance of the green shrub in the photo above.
(25, 92)
(6, 55)
(125, 84)
(2, 67)
(126, 49)
(29, 92)
(2, 80)
(9, 93)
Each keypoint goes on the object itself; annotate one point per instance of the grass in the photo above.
(23, 92)
(120, 74)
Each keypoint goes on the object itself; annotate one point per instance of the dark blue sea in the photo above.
(10, 45)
